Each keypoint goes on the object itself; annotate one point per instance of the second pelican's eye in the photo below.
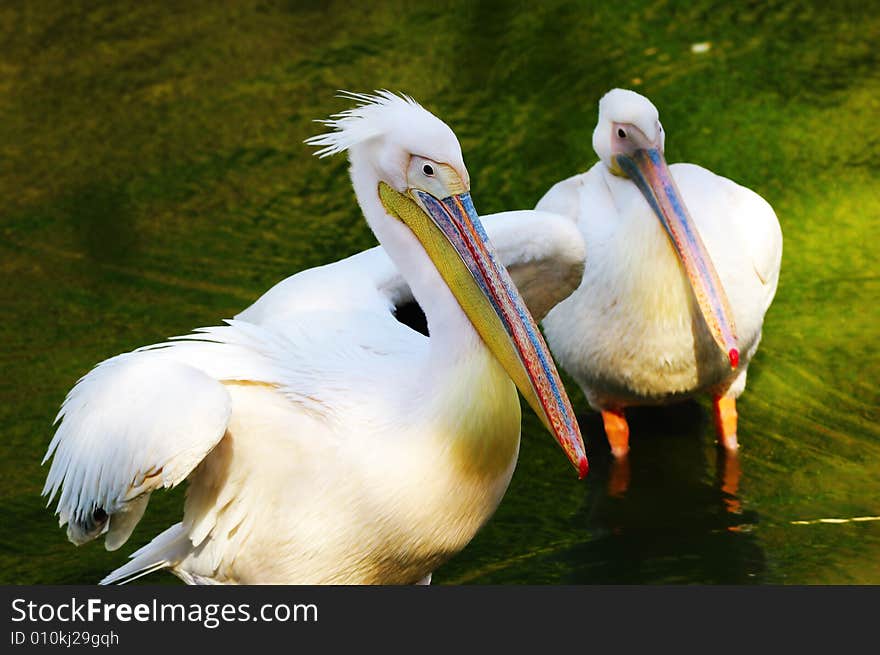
(428, 170)
(621, 134)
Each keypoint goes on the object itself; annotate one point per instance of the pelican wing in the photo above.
(761, 234)
(564, 198)
(134, 424)
(542, 251)
(144, 420)
(367, 281)
(733, 214)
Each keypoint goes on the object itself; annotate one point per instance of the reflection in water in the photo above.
(619, 476)
(656, 516)
(729, 472)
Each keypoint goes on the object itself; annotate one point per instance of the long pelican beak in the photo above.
(452, 235)
(647, 168)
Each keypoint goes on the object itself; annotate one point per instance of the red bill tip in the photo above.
(583, 467)
(734, 357)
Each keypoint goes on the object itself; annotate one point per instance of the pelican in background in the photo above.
(323, 440)
(682, 265)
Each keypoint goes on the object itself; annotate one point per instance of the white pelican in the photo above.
(323, 440)
(682, 265)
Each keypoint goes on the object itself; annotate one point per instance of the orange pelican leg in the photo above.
(617, 431)
(725, 421)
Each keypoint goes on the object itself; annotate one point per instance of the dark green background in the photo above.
(153, 179)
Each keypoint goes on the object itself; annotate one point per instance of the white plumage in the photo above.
(323, 440)
(633, 332)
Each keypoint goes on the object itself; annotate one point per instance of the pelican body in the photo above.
(682, 265)
(324, 441)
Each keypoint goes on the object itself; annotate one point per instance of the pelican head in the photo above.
(413, 163)
(629, 139)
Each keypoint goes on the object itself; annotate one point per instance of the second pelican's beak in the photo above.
(647, 168)
(452, 235)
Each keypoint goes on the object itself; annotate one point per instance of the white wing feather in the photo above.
(759, 227)
(144, 420)
(366, 281)
(543, 252)
(563, 198)
(134, 424)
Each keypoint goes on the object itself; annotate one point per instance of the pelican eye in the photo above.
(621, 134)
(428, 170)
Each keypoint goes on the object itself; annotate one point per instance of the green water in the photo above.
(153, 179)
